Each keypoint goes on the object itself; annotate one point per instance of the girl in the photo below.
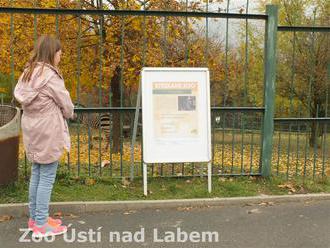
(46, 104)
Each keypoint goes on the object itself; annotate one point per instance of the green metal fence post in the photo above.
(269, 95)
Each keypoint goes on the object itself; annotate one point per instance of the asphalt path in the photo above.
(265, 225)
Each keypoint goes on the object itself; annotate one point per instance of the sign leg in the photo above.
(136, 120)
(145, 190)
(209, 176)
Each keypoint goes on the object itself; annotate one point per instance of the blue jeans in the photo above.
(40, 189)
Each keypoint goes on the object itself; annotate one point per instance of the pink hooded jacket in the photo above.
(46, 104)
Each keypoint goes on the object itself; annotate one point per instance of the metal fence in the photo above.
(243, 137)
(301, 137)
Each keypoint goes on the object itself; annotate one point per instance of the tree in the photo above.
(106, 53)
(302, 85)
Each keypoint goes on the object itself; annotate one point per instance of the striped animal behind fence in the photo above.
(103, 122)
(96, 121)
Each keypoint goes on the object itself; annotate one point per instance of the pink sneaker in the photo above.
(54, 222)
(51, 221)
(48, 230)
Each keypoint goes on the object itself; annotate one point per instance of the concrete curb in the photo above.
(21, 209)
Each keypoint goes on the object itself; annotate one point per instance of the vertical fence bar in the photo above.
(315, 142)
(165, 24)
(137, 111)
(144, 51)
(291, 99)
(35, 33)
(326, 115)
(68, 162)
(288, 153)
(161, 169)
(242, 142)
(313, 75)
(101, 27)
(165, 38)
(136, 121)
(225, 90)
(226, 57)
(143, 62)
(246, 64)
(78, 86)
(232, 144)
(186, 60)
(252, 144)
(89, 141)
(56, 19)
(111, 132)
(223, 141)
(237, 78)
(298, 143)
(214, 124)
(186, 54)
(121, 89)
(57, 36)
(12, 75)
(328, 87)
(297, 155)
(278, 150)
(213, 129)
(206, 53)
(306, 151)
(269, 97)
(206, 62)
(324, 145)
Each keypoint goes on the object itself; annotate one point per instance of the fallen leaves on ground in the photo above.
(105, 163)
(58, 214)
(90, 181)
(4, 218)
(69, 215)
(129, 212)
(125, 182)
(61, 215)
(287, 185)
(254, 211)
(227, 159)
(266, 204)
(184, 208)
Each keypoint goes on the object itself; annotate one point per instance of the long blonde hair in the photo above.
(44, 52)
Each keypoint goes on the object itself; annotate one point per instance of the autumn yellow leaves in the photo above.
(228, 158)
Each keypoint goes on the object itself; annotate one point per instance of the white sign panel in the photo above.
(176, 115)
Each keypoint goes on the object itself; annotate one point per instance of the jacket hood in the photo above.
(26, 92)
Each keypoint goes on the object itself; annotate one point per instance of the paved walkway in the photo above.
(265, 225)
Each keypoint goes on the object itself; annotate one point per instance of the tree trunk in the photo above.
(318, 130)
(115, 89)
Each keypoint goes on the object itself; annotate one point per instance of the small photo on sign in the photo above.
(187, 103)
